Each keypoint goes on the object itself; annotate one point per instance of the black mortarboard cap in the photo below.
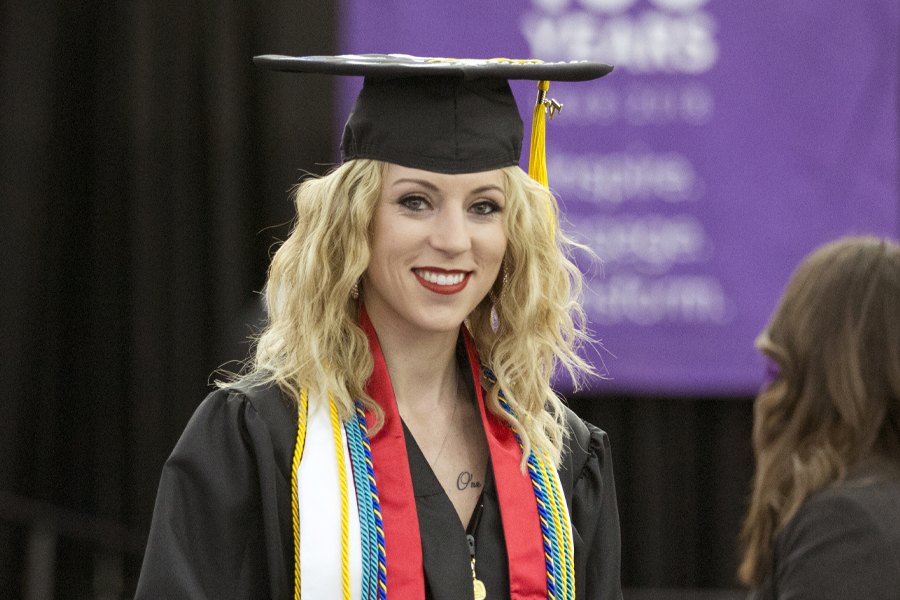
(441, 115)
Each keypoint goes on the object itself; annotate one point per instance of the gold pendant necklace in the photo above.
(480, 592)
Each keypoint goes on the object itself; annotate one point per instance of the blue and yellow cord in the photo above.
(555, 528)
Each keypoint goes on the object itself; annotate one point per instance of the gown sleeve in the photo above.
(216, 530)
(587, 480)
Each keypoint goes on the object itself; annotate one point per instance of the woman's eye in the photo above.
(486, 208)
(414, 203)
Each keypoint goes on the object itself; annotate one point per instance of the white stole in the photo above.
(319, 500)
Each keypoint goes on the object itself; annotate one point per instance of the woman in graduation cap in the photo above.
(397, 436)
(824, 521)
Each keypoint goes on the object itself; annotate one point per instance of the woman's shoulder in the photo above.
(253, 412)
(846, 508)
(583, 442)
(587, 478)
(253, 396)
(843, 540)
(586, 459)
(854, 510)
(265, 397)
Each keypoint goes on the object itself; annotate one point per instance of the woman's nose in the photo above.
(450, 232)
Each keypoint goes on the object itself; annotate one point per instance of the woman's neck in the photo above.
(422, 365)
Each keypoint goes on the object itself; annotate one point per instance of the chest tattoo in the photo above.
(466, 480)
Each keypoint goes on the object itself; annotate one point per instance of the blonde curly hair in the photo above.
(313, 338)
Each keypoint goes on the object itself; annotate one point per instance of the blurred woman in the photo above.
(824, 520)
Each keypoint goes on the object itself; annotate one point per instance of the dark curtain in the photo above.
(145, 167)
(683, 468)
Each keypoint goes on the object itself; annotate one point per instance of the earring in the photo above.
(505, 280)
(495, 302)
(503, 286)
(354, 291)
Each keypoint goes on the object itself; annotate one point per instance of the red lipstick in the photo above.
(443, 289)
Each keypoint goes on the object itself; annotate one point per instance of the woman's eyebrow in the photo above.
(427, 184)
(422, 182)
(487, 188)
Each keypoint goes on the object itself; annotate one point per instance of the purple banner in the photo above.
(731, 139)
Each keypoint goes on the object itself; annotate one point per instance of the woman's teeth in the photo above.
(441, 278)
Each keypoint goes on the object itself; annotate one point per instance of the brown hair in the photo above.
(835, 337)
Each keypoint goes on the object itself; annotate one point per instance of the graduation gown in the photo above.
(222, 524)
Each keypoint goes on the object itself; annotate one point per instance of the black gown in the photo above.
(222, 524)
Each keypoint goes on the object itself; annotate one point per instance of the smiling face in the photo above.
(437, 245)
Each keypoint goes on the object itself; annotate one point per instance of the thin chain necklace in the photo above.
(450, 427)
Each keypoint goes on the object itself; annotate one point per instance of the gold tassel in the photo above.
(537, 161)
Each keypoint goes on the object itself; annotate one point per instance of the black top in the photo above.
(843, 543)
(222, 524)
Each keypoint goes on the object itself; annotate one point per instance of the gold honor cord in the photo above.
(345, 518)
(302, 412)
(295, 501)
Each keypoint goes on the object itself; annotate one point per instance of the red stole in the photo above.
(521, 524)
